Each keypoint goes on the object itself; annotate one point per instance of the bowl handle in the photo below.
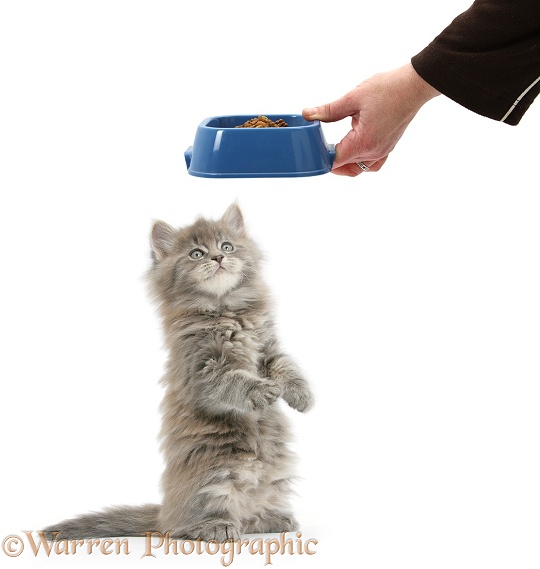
(331, 154)
(188, 154)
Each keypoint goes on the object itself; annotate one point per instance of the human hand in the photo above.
(381, 108)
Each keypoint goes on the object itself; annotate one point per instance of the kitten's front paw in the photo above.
(296, 390)
(298, 396)
(264, 392)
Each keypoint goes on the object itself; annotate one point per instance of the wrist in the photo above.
(419, 90)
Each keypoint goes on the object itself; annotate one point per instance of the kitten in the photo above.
(224, 437)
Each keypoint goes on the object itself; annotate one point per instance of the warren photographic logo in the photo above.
(157, 544)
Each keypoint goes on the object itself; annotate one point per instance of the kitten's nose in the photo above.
(218, 258)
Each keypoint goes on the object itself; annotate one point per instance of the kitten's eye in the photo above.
(196, 254)
(227, 247)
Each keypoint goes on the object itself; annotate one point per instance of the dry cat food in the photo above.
(262, 122)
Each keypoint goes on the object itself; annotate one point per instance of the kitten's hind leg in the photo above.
(204, 507)
(273, 514)
(271, 521)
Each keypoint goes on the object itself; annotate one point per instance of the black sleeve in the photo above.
(488, 58)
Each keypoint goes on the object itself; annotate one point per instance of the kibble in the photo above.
(262, 122)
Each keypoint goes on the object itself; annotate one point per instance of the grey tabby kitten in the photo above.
(224, 437)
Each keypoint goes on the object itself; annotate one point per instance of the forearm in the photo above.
(487, 58)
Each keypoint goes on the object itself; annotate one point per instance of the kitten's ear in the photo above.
(162, 239)
(233, 217)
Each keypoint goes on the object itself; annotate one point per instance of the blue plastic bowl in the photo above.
(222, 151)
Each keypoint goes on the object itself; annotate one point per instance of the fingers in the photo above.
(346, 106)
(376, 166)
(352, 145)
(353, 170)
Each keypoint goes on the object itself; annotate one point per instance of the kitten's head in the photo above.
(206, 261)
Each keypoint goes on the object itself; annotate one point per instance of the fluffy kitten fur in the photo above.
(224, 437)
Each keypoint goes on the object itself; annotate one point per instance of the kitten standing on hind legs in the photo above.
(228, 469)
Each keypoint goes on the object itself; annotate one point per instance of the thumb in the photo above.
(346, 106)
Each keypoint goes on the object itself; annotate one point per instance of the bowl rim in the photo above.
(244, 117)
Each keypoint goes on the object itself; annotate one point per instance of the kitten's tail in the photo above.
(118, 521)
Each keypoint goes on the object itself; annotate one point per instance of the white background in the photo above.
(409, 297)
